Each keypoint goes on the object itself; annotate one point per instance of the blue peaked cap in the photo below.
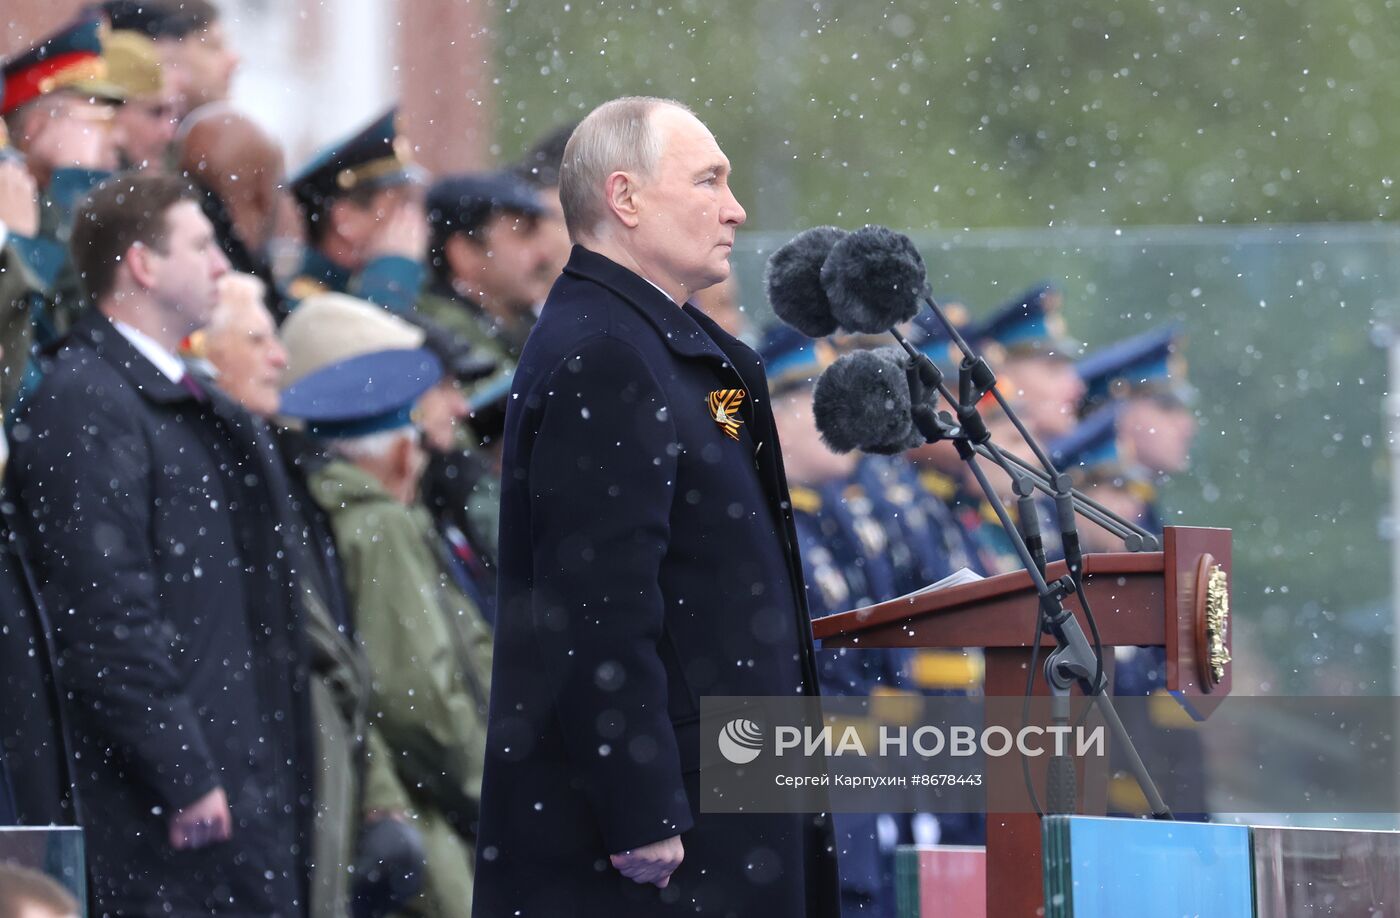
(791, 359)
(362, 395)
(1029, 325)
(1138, 365)
(1092, 447)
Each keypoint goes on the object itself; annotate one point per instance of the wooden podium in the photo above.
(1177, 598)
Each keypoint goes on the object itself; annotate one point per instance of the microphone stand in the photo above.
(1135, 538)
(1074, 661)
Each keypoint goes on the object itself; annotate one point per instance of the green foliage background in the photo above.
(938, 113)
(1058, 132)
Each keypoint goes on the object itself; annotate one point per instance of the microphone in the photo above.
(862, 402)
(874, 280)
(794, 281)
(1029, 518)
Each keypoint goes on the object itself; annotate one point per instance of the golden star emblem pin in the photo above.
(724, 409)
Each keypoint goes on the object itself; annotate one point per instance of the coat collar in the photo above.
(317, 266)
(340, 483)
(737, 353)
(677, 327)
(97, 332)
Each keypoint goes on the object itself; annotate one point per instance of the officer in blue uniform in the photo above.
(938, 473)
(1092, 456)
(912, 490)
(1028, 344)
(1143, 380)
(845, 564)
(1146, 374)
(361, 202)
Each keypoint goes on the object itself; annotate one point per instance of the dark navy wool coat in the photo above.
(157, 527)
(648, 558)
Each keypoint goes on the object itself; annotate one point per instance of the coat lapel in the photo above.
(98, 333)
(759, 412)
(675, 326)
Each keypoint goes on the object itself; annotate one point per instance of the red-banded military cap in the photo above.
(69, 59)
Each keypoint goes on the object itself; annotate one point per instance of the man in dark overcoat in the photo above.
(647, 559)
(153, 508)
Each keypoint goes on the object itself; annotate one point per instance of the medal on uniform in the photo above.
(724, 409)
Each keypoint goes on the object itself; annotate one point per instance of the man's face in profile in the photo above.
(688, 213)
(189, 265)
(517, 269)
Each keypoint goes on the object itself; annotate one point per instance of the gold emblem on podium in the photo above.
(1212, 614)
(1217, 622)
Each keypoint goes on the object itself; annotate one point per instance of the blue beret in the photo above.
(362, 395)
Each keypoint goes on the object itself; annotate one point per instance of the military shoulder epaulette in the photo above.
(939, 485)
(853, 491)
(804, 500)
(1144, 491)
(302, 287)
(948, 669)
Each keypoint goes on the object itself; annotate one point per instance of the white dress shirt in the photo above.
(170, 365)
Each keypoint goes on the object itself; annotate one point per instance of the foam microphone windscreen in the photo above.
(874, 280)
(794, 281)
(862, 402)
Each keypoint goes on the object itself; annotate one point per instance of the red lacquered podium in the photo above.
(1177, 598)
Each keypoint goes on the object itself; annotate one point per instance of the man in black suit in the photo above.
(648, 558)
(154, 509)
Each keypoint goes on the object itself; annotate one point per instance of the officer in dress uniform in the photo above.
(360, 200)
(845, 566)
(59, 107)
(1141, 381)
(1029, 346)
(1145, 378)
(1147, 375)
(926, 542)
(1092, 457)
(21, 295)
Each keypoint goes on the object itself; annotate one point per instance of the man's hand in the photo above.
(404, 232)
(19, 199)
(653, 863)
(203, 822)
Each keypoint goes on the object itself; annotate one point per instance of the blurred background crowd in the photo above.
(343, 324)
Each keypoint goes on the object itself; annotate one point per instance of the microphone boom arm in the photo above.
(1135, 537)
(1074, 659)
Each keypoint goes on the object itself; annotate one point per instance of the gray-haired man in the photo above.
(647, 558)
